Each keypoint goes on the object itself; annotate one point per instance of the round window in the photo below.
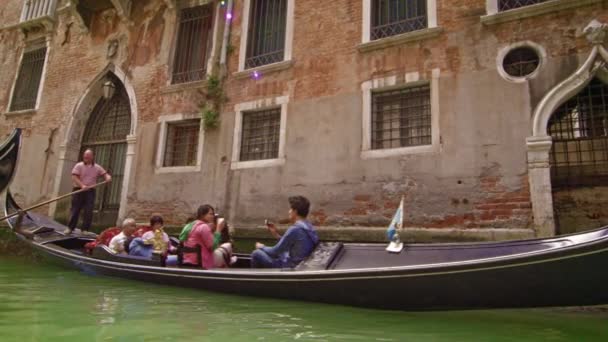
(521, 61)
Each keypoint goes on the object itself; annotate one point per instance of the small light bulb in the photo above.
(228, 16)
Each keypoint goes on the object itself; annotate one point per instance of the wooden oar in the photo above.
(51, 201)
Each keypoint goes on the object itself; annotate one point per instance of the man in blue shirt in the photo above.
(297, 243)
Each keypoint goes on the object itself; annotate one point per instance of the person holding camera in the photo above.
(207, 231)
(297, 244)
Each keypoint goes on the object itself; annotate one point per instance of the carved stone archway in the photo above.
(70, 147)
(539, 144)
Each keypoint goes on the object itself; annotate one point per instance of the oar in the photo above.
(51, 201)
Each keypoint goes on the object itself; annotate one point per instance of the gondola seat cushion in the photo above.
(103, 238)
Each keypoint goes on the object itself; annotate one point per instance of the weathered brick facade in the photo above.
(476, 175)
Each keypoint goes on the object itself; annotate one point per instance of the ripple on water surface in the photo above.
(39, 302)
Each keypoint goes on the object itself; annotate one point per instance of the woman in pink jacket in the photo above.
(204, 232)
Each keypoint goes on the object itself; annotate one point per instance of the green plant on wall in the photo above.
(215, 98)
(211, 118)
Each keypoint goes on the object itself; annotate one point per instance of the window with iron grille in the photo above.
(26, 88)
(266, 32)
(193, 44)
(579, 128)
(392, 17)
(401, 118)
(181, 146)
(260, 134)
(521, 61)
(505, 5)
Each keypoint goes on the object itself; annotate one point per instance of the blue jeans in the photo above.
(261, 259)
(138, 248)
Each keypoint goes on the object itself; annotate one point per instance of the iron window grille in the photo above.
(505, 5)
(181, 146)
(266, 33)
(401, 118)
(521, 61)
(579, 128)
(26, 89)
(392, 17)
(192, 48)
(260, 135)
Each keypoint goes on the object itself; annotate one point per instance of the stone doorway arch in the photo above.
(75, 139)
(540, 143)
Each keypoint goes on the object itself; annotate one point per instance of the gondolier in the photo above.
(84, 176)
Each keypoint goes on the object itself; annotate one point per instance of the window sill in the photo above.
(177, 169)
(400, 39)
(21, 112)
(257, 164)
(264, 69)
(174, 88)
(534, 10)
(395, 152)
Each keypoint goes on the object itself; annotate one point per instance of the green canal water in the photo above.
(41, 302)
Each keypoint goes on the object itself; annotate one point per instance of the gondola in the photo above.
(559, 271)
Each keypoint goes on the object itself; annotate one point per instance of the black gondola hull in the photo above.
(564, 280)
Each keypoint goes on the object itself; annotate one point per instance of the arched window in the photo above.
(106, 133)
(579, 128)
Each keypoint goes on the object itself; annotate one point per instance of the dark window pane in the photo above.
(392, 17)
(266, 35)
(579, 128)
(260, 135)
(181, 146)
(401, 118)
(193, 40)
(28, 80)
(521, 62)
(505, 5)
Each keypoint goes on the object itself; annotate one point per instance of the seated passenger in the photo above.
(155, 241)
(117, 244)
(293, 247)
(204, 232)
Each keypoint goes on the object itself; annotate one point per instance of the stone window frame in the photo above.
(212, 55)
(287, 56)
(240, 108)
(34, 45)
(164, 121)
(432, 30)
(411, 79)
(502, 53)
(493, 16)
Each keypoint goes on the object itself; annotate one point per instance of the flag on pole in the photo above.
(396, 223)
(395, 245)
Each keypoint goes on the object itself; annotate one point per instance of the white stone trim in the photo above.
(164, 121)
(411, 80)
(129, 162)
(42, 79)
(542, 55)
(289, 28)
(214, 37)
(566, 89)
(431, 13)
(282, 102)
(493, 16)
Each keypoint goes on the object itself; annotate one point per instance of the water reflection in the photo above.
(44, 303)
